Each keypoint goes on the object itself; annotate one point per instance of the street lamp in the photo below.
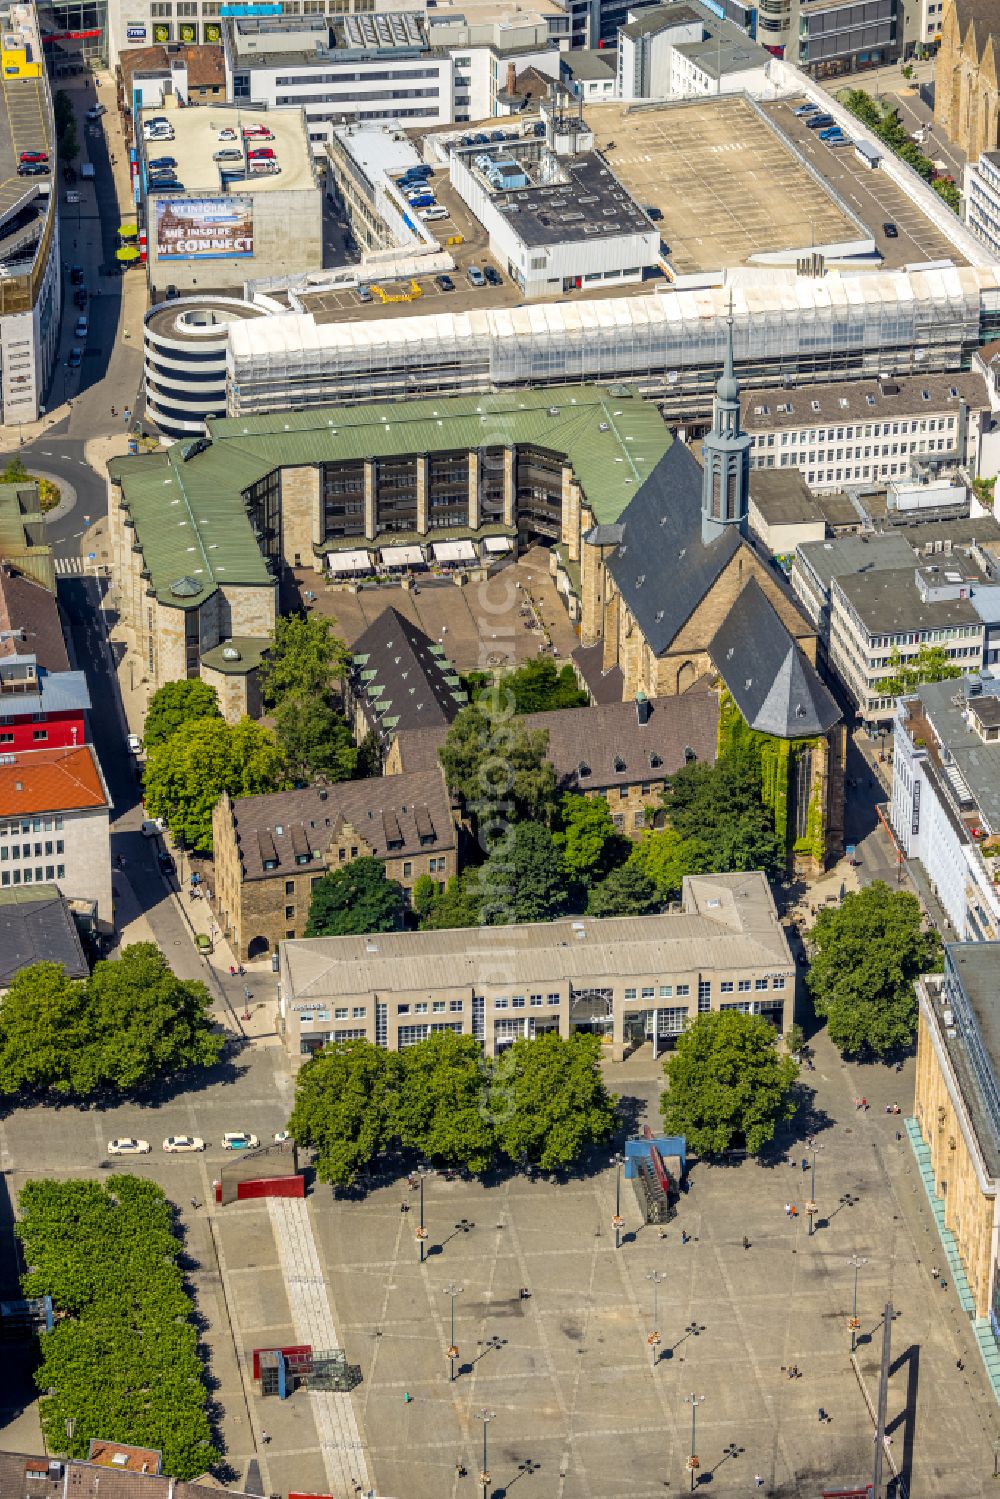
(654, 1337)
(421, 1231)
(453, 1291)
(484, 1478)
(692, 1463)
(857, 1262)
(616, 1222)
(811, 1204)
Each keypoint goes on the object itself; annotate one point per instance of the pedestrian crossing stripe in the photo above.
(69, 566)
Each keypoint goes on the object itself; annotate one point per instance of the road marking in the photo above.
(66, 566)
(46, 452)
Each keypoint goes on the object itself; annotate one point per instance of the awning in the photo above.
(349, 562)
(496, 544)
(403, 557)
(453, 551)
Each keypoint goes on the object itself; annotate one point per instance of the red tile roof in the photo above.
(55, 780)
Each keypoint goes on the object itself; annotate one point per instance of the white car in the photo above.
(228, 135)
(280, 1136)
(82, 325)
(176, 1144)
(153, 827)
(134, 744)
(96, 110)
(242, 1140)
(129, 1147)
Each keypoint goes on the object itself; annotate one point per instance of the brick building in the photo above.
(271, 850)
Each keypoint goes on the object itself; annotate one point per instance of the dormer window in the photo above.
(583, 769)
(619, 765)
(655, 760)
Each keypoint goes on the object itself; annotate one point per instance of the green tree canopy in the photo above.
(727, 1084)
(627, 891)
(720, 805)
(539, 687)
(175, 704)
(665, 857)
(132, 1022)
(498, 768)
(439, 1101)
(123, 1356)
(304, 661)
(867, 954)
(354, 900)
(187, 773)
(458, 904)
(523, 878)
(548, 1100)
(315, 740)
(345, 1107)
(587, 838)
(930, 664)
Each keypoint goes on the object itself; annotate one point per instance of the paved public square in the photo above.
(577, 1410)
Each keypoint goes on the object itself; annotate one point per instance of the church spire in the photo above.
(726, 482)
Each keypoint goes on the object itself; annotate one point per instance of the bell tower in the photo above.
(726, 482)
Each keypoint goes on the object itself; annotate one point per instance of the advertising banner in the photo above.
(162, 31)
(213, 32)
(187, 31)
(203, 228)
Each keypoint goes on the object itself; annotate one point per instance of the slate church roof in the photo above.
(772, 683)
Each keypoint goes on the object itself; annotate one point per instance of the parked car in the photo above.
(493, 277)
(889, 230)
(475, 275)
(176, 1144)
(230, 153)
(364, 293)
(819, 122)
(33, 156)
(444, 283)
(261, 153)
(33, 169)
(280, 1136)
(242, 1140)
(96, 110)
(134, 744)
(129, 1147)
(74, 197)
(257, 133)
(76, 275)
(170, 187)
(164, 164)
(805, 109)
(153, 827)
(831, 133)
(203, 942)
(264, 168)
(228, 135)
(80, 296)
(80, 331)
(75, 358)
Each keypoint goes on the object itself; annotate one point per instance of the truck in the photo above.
(87, 171)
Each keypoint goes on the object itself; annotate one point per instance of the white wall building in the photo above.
(946, 798)
(982, 200)
(54, 825)
(683, 50)
(184, 360)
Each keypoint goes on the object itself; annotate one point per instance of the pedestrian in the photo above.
(935, 1272)
(758, 1482)
(788, 1209)
(232, 971)
(746, 1242)
(959, 1365)
(684, 1236)
(899, 1066)
(265, 1437)
(114, 411)
(795, 1211)
(898, 1137)
(407, 1397)
(805, 1164)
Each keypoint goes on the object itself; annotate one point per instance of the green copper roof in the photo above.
(187, 503)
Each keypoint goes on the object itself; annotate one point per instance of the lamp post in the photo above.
(70, 1433)
(484, 1478)
(857, 1262)
(453, 1291)
(616, 1222)
(421, 1231)
(692, 1463)
(811, 1204)
(654, 1337)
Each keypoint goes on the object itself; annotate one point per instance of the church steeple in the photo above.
(726, 481)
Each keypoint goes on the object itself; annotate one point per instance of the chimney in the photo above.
(643, 707)
(511, 77)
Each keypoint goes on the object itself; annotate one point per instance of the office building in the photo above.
(30, 262)
(269, 851)
(626, 979)
(946, 798)
(42, 703)
(982, 199)
(683, 50)
(54, 825)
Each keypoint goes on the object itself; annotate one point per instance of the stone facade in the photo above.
(966, 82)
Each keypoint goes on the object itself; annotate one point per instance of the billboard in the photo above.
(203, 228)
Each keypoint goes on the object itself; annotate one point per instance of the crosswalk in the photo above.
(68, 567)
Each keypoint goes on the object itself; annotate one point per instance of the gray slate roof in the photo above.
(605, 744)
(772, 683)
(38, 927)
(662, 567)
(417, 685)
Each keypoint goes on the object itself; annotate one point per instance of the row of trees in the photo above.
(65, 121)
(131, 1023)
(884, 122)
(122, 1359)
(542, 1102)
(193, 755)
(539, 686)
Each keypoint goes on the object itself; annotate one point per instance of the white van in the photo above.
(430, 214)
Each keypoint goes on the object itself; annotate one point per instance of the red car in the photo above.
(33, 156)
(257, 133)
(262, 153)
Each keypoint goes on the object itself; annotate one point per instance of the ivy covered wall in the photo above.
(777, 760)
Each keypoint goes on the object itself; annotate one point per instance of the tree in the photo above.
(175, 704)
(665, 858)
(720, 806)
(727, 1084)
(930, 664)
(523, 879)
(538, 687)
(439, 1101)
(123, 1355)
(945, 188)
(587, 838)
(867, 954)
(315, 740)
(423, 896)
(354, 900)
(304, 660)
(457, 905)
(548, 1101)
(132, 1022)
(187, 773)
(498, 768)
(627, 891)
(345, 1107)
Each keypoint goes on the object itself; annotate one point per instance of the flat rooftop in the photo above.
(584, 204)
(188, 321)
(26, 126)
(196, 139)
(889, 602)
(976, 758)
